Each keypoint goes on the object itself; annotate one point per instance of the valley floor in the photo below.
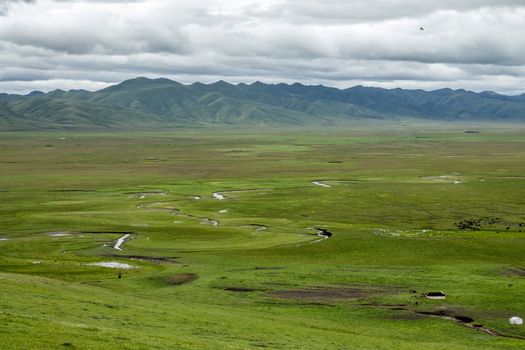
(323, 239)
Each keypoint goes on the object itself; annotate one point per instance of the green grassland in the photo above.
(249, 271)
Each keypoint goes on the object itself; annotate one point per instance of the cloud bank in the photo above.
(470, 44)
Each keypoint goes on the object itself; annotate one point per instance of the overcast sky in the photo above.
(472, 44)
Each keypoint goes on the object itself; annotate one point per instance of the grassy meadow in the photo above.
(250, 271)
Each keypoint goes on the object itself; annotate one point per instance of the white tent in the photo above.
(516, 320)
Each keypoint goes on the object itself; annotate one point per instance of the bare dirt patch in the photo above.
(294, 304)
(241, 289)
(456, 315)
(155, 259)
(177, 280)
(113, 265)
(514, 271)
(448, 313)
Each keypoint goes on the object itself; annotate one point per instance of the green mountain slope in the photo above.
(159, 103)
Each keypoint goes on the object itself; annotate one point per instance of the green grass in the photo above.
(392, 209)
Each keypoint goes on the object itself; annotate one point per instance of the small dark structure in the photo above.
(436, 295)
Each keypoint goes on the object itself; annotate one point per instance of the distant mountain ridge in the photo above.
(144, 103)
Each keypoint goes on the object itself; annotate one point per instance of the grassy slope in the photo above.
(155, 104)
(389, 181)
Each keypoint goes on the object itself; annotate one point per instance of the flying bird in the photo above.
(421, 28)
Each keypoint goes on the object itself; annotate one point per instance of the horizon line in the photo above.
(263, 83)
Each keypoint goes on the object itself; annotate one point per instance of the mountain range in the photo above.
(143, 103)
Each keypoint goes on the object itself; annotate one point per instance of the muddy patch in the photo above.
(402, 311)
(155, 259)
(241, 289)
(448, 313)
(113, 265)
(451, 315)
(455, 315)
(315, 293)
(177, 280)
(295, 304)
(514, 271)
(464, 319)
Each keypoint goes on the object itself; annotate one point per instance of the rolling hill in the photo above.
(143, 103)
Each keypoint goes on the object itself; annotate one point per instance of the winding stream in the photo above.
(219, 196)
(322, 184)
(120, 241)
(323, 234)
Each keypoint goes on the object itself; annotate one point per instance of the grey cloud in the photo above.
(78, 30)
(4, 5)
(335, 42)
(365, 10)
